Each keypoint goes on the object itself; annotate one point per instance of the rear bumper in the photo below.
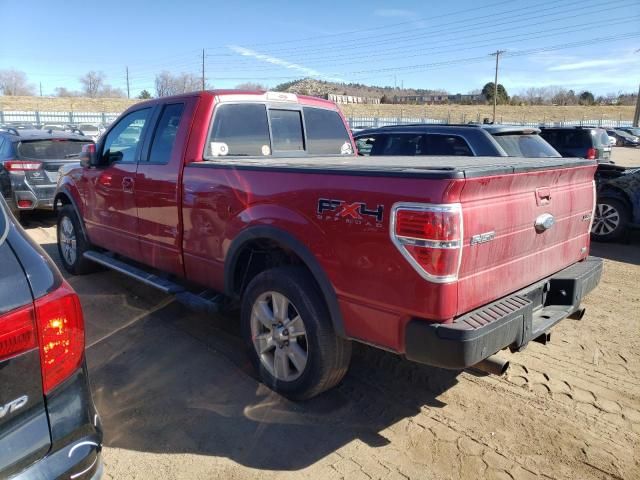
(512, 321)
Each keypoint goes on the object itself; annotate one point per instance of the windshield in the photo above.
(55, 149)
(633, 131)
(532, 146)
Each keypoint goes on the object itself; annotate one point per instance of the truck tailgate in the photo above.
(503, 249)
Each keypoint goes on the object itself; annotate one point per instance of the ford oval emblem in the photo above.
(544, 222)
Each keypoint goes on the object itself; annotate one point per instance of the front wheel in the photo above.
(72, 243)
(289, 334)
(610, 221)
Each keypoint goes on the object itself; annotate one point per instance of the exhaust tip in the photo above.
(492, 365)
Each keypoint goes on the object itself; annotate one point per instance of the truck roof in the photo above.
(436, 167)
(249, 96)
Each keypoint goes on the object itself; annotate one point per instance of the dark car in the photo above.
(618, 202)
(623, 138)
(31, 159)
(582, 142)
(49, 427)
(459, 140)
(635, 131)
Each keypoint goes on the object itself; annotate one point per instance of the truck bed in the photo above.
(435, 167)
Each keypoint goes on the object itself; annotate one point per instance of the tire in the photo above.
(72, 243)
(303, 332)
(610, 221)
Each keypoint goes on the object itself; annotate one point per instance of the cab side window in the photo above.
(122, 142)
(164, 137)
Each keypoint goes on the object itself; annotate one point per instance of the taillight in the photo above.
(430, 238)
(592, 154)
(61, 335)
(17, 332)
(21, 166)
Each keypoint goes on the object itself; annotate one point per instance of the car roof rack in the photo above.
(12, 130)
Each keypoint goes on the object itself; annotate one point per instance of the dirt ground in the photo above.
(178, 399)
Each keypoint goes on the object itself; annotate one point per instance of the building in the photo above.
(350, 99)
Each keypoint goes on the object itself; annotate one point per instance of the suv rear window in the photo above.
(600, 138)
(532, 146)
(411, 144)
(55, 149)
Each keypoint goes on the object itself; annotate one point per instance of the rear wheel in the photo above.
(610, 221)
(289, 334)
(72, 243)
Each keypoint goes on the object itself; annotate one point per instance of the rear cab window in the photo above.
(260, 130)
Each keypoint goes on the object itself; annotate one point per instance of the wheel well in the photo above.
(259, 255)
(60, 200)
(616, 194)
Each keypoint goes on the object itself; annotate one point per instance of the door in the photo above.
(111, 215)
(158, 183)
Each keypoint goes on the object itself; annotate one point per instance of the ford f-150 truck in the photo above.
(260, 198)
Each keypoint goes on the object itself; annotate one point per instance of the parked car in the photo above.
(49, 427)
(635, 131)
(618, 202)
(53, 127)
(31, 159)
(582, 142)
(89, 130)
(458, 140)
(612, 141)
(624, 139)
(259, 198)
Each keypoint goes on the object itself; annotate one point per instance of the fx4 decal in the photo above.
(355, 212)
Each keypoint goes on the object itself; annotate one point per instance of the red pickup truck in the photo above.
(260, 198)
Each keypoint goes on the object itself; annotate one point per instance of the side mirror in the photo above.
(88, 156)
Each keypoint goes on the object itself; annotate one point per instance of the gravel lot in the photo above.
(179, 400)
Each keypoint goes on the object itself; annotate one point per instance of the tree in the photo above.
(488, 91)
(144, 95)
(14, 82)
(107, 91)
(586, 98)
(92, 82)
(251, 86)
(167, 84)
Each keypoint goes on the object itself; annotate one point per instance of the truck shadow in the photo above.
(627, 252)
(167, 380)
(178, 383)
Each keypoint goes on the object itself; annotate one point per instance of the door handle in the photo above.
(127, 185)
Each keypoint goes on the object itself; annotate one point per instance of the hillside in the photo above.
(310, 86)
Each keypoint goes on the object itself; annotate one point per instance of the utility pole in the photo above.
(497, 54)
(128, 91)
(203, 69)
(636, 115)
(40, 88)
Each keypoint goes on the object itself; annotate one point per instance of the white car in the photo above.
(612, 141)
(90, 130)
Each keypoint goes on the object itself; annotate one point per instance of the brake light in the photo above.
(61, 335)
(592, 154)
(430, 238)
(20, 166)
(17, 332)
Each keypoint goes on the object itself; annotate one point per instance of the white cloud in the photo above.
(311, 72)
(592, 63)
(393, 12)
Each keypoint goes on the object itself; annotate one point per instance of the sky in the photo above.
(578, 44)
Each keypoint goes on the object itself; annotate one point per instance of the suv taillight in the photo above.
(20, 166)
(592, 154)
(61, 335)
(430, 238)
(17, 332)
